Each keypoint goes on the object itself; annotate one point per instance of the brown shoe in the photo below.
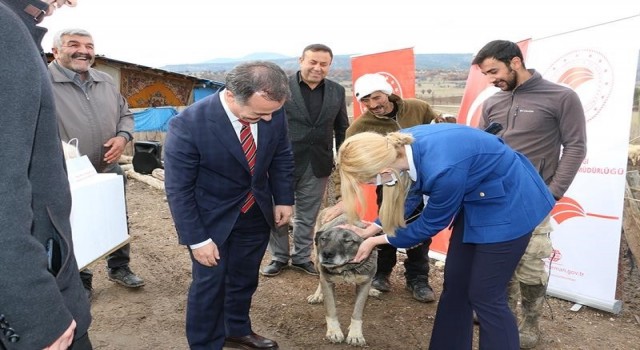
(251, 341)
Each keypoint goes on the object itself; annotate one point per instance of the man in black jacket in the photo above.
(316, 113)
(42, 302)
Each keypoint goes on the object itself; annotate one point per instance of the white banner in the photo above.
(600, 64)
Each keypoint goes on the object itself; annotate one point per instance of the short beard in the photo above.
(513, 82)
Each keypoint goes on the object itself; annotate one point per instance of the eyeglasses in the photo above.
(38, 14)
(391, 182)
(60, 3)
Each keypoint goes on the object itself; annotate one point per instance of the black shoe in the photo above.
(86, 276)
(381, 283)
(274, 268)
(306, 267)
(89, 293)
(124, 276)
(421, 290)
(251, 341)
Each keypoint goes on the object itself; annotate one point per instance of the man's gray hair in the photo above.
(57, 38)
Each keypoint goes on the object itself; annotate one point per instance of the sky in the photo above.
(157, 33)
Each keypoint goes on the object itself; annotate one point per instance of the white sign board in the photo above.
(600, 65)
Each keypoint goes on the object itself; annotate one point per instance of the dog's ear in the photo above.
(354, 237)
(317, 237)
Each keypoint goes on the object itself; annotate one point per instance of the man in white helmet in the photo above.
(387, 112)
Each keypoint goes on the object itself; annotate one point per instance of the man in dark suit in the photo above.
(226, 195)
(42, 302)
(316, 113)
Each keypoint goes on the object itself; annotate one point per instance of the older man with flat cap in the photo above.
(387, 112)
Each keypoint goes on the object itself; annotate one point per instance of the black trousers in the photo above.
(120, 257)
(82, 343)
(417, 262)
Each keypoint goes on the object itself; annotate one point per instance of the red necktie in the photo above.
(249, 148)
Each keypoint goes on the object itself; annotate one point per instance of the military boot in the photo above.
(381, 282)
(532, 302)
(420, 289)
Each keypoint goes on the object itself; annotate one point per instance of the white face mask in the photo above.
(391, 182)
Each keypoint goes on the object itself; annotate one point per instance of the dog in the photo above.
(335, 249)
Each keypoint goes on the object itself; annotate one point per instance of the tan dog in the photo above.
(335, 249)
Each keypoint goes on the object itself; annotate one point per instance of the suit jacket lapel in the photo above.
(223, 131)
(329, 93)
(264, 139)
(296, 96)
(329, 97)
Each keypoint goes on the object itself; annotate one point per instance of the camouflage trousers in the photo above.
(531, 270)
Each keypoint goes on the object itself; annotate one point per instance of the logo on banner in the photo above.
(567, 208)
(589, 74)
(475, 110)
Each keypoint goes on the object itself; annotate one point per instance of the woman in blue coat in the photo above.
(491, 196)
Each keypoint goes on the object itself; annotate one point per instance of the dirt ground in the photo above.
(153, 317)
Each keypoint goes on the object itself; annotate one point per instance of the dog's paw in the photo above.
(336, 337)
(374, 293)
(355, 336)
(356, 341)
(315, 298)
(334, 333)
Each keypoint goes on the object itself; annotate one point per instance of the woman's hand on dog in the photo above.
(367, 246)
(370, 241)
(207, 255)
(369, 230)
(332, 212)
